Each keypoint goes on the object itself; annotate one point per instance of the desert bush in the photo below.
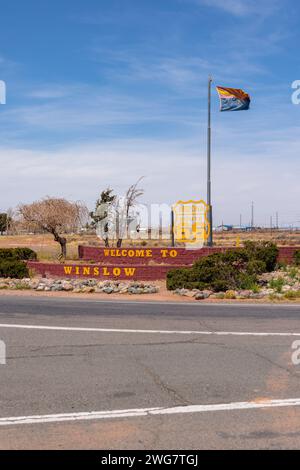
(297, 258)
(13, 268)
(7, 254)
(25, 254)
(179, 278)
(265, 251)
(230, 270)
(277, 284)
(21, 254)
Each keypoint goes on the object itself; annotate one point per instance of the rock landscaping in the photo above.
(78, 286)
(282, 284)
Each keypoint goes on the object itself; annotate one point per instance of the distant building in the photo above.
(224, 228)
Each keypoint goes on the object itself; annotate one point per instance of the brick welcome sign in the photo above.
(132, 263)
(170, 256)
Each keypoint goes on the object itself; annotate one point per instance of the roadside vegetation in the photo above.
(13, 262)
(249, 273)
(231, 270)
(297, 258)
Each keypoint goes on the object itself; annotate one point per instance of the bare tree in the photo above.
(131, 198)
(55, 216)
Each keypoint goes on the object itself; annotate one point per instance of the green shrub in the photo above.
(255, 267)
(220, 285)
(230, 270)
(13, 268)
(297, 258)
(277, 284)
(21, 286)
(267, 252)
(293, 272)
(255, 288)
(22, 254)
(7, 254)
(248, 282)
(25, 254)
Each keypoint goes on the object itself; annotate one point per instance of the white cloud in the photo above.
(243, 7)
(174, 169)
(95, 108)
(236, 7)
(52, 91)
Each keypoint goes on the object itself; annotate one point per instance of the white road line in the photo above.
(161, 332)
(137, 412)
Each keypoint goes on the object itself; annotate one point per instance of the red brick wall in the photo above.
(132, 268)
(286, 253)
(116, 272)
(158, 255)
(184, 257)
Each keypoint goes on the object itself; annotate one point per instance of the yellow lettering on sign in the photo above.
(86, 271)
(106, 272)
(68, 269)
(96, 272)
(140, 253)
(117, 272)
(131, 253)
(129, 271)
(106, 252)
(124, 253)
(173, 253)
(148, 253)
(112, 252)
(77, 271)
(164, 253)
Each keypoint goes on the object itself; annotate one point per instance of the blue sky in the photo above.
(100, 92)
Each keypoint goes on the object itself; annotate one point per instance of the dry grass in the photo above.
(43, 245)
(280, 237)
(47, 249)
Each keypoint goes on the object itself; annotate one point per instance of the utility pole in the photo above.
(277, 221)
(210, 216)
(240, 220)
(252, 215)
(172, 228)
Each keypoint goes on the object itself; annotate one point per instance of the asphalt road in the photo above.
(185, 376)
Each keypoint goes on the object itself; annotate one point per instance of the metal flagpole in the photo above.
(210, 218)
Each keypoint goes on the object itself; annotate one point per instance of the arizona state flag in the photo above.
(233, 99)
